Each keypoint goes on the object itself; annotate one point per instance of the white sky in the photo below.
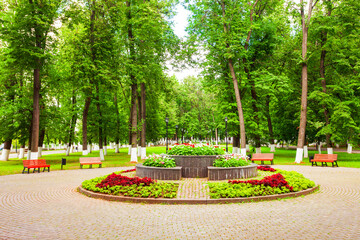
(180, 23)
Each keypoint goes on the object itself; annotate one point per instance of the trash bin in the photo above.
(63, 162)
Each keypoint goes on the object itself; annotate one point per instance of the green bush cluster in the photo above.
(230, 162)
(155, 190)
(296, 180)
(228, 190)
(159, 161)
(190, 150)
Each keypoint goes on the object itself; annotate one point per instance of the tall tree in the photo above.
(305, 24)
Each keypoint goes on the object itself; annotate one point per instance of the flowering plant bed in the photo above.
(233, 160)
(159, 161)
(279, 183)
(116, 184)
(192, 149)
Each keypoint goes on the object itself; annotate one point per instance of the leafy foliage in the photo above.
(191, 149)
(143, 189)
(159, 161)
(279, 183)
(234, 160)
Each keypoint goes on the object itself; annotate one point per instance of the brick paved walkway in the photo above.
(47, 206)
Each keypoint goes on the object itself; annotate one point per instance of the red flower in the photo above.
(169, 148)
(266, 168)
(276, 180)
(117, 179)
(207, 144)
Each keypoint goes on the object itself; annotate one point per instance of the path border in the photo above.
(195, 201)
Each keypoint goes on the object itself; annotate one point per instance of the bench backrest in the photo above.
(326, 156)
(33, 162)
(89, 159)
(263, 156)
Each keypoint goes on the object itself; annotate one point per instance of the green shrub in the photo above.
(234, 160)
(190, 150)
(154, 190)
(229, 190)
(159, 161)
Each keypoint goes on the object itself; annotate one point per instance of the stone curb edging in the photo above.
(194, 201)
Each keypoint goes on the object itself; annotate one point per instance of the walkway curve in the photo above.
(47, 206)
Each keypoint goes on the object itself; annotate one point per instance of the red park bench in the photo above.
(35, 164)
(263, 157)
(324, 159)
(90, 161)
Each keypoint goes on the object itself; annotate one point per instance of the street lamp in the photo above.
(226, 133)
(177, 126)
(167, 122)
(182, 135)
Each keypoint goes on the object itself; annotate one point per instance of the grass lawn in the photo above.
(122, 159)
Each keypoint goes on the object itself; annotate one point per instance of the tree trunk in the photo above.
(36, 113)
(84, 125)
(236, 144)
(257, 137)
(239, 106)
(143, 121)
(133, 86)
(6, 151)
(41, 142)
(304, 80)
(271, 132)
(139, 118)
(72, 123)
(323, 80)
(117, 135)
(133, 119)
(237, 92)
(29, 149)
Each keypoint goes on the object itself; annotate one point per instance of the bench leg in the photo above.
(44, 169)
(48, 169)
(272, 162)
(336, 164)
(23, 170)
(90, 166)
(100, 165)
(28, 170)
(81, 166)
(38, 170)
(262, 162)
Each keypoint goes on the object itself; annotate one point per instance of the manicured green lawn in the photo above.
(122, 159)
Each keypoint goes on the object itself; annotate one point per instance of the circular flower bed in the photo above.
(272, 184)
(187, 149)
(159, 161)
(233, 160)
(279, 183)
(117, 184)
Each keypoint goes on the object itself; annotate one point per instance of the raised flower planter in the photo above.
(158, 173)
(194, 166)
(221, 173)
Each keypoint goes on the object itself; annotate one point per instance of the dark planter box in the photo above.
(158, 172)
(220, 173)
(194, 166)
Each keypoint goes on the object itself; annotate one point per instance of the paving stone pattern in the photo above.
(47, 206)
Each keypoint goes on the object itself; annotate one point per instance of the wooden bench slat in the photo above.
(263, 157)
(35, 164)
(324, 158)
(90, 161)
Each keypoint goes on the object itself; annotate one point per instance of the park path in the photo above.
(47, 206)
